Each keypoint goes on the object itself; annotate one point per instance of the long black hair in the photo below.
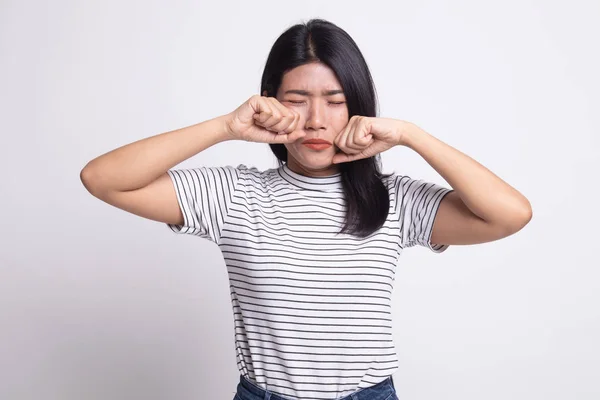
(318, 40)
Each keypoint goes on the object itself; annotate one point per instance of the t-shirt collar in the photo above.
(320, 183)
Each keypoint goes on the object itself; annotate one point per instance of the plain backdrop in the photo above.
(96, 303)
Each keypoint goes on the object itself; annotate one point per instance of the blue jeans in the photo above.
(384, 390)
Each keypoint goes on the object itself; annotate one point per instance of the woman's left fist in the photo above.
(364, 137)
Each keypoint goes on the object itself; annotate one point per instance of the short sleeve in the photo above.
(417, 204)
(204, 195)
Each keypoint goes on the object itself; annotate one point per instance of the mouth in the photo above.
(317, 144)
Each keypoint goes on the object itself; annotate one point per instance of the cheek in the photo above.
(341, 121)
(290, 147)
(342, 115)
(295, 149)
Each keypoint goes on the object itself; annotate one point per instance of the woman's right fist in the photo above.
(264, 120)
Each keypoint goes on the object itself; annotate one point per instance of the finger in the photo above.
(351, 146)
(276, 122)
(287, 124)
(263, 114)
(294, 125)
(289, 120)
(360, 137)
(343, 157)
(340, 139)
(287, 137)
(275, 118)
(346, 142)
(363, 137)
(359, 143)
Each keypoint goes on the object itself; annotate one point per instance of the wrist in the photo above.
(408, 133)
(224, 128)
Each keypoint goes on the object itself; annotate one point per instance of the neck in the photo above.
(302, 170)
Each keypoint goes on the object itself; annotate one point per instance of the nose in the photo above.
(316, 116)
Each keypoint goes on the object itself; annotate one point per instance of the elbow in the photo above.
(526, 214)
(89, 179)
(513, 221)
(86, 178)
(519, 219)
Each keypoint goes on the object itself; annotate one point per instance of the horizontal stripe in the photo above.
(311, 307)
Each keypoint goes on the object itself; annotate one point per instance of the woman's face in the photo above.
(314, 92)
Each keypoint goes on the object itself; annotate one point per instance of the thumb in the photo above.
(340, 158)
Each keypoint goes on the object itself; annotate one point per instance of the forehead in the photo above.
(312, 77)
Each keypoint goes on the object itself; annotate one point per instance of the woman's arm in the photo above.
(134, 177)
(482, 207)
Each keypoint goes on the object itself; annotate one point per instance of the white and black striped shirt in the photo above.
(312, 308)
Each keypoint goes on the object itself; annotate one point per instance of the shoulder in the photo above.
(253, 171)
(402, 184)
(254, 176)
(389, 179)
(395, 182)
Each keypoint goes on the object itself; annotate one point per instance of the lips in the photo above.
(316, 141)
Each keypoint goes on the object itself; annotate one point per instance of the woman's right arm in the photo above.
(134, 177)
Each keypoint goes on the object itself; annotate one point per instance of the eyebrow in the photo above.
(307, 93)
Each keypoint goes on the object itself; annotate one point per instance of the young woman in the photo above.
(311, 247)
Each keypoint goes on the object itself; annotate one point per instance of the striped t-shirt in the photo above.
(312, 308)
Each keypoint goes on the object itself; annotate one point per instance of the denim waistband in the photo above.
(248, 390)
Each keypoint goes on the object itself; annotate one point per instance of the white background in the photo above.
(96, 303)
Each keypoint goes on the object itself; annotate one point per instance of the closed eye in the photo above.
(331, 102)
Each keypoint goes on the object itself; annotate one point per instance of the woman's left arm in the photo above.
(482, 207)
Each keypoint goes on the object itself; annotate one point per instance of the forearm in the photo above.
(484, 193)
(137, 164)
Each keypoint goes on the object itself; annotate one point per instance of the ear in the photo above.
(264, 93)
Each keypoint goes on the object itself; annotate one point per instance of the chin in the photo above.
(317, 160)
(313, 160)
(321, 164)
